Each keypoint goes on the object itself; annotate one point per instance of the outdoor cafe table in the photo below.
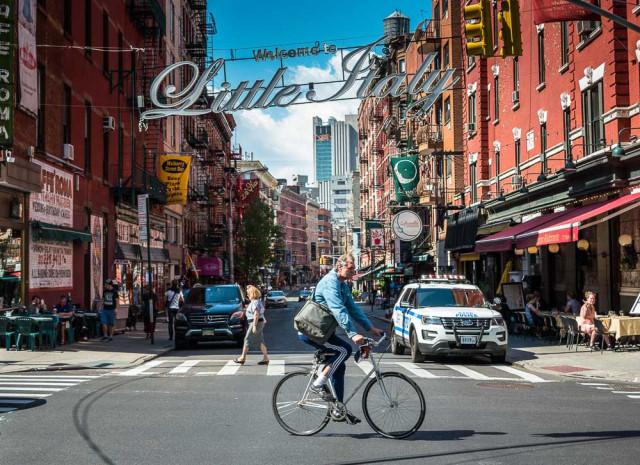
(622, 326)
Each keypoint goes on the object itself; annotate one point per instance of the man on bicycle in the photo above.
(333, 291)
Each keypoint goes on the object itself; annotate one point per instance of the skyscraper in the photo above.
(344, 146)
(322, 148)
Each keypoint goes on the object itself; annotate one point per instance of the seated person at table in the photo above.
(588, 317)
(532, 312)
(37, 305)
(63, 308)
(542, 305)
(572, 306)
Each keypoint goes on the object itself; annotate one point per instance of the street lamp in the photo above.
(618, 150)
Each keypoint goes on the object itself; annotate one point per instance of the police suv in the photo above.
(442, 315)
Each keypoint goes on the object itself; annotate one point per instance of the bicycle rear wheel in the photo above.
(393, 405)
(297, 409)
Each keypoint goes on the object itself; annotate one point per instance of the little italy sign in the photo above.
(426, 86)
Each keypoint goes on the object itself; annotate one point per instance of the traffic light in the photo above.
(509, 18)
(477, 29)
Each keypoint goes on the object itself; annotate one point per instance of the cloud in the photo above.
(282, 138)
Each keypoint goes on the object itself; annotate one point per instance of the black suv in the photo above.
(211, 313)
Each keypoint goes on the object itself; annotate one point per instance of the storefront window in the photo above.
(10, 267)
(629, 243)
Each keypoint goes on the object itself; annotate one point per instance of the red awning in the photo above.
(565, 227)
(504, 240)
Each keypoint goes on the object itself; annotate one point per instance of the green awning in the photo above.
(54, 232)
(421, 258)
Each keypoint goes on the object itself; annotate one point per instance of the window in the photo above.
(439, 113)
(445, 55)
(592, 105)
(566, 129)
(450, 298)
(105, 41)
(494, 24)
(66, 22)
(588, 29)
(516, 74)
(120, 57)
(564, 43)
(445, 8)
(66, 115)
(471, 60)
(541, 65)
(471, 126)
(402, 67)
(437, 63)
(448, 166)
(87, 136)
(496, 98)
(517, 149)
(498, 171)
(87, 26)
(473, 182)
(447, 110)
(121, 152)
(543, 148)
(105, 155)
(41, 107)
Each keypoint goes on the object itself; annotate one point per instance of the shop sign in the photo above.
(97, 241)
(143, 218)
(54, 204)
(210, 266)
(50, 265)
(425, 87)
(407, 225)
(174, 173)
(278, 53)
(7, 39)
(28, 70)
(406, 176)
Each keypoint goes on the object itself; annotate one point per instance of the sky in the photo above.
(282, 138)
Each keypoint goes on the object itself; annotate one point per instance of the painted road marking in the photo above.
(468, 372)
(142, 368)
(184, 367)
(275, 368)
(522, 374)
(231, 368)
(419, 372)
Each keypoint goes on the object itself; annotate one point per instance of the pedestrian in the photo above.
(572, 306)
(173, 299)
(108, 313)
(149, 298)
(255, 321)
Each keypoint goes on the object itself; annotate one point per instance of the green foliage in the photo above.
(256, 236)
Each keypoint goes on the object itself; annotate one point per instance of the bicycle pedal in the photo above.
(351, 419)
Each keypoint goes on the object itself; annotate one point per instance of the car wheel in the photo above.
(180, 344)
(396, 347)
(499, 358)
(416, 355)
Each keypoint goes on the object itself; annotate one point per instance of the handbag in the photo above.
(315, 321)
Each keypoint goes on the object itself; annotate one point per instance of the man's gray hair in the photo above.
(342, 260)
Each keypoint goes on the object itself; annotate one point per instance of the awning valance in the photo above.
(368, 270)
(565, 227)
(504, 241)
(126, 251)
(157, 255)
(54, 232)
(462, 228)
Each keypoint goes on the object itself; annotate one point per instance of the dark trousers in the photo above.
(171, 315)
(340, 351)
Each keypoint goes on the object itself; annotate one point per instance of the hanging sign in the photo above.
(407, 225)
(278, 53)
(143, 217)
(375, 234)
(405, 177)
(358, 67)
(7, 70)
(174, 173)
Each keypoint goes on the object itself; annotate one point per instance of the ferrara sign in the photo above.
(361, 72)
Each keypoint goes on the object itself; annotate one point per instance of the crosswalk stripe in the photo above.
(22, 394)
(593, 384)
(468, 372)
(34, 380)
(229, 369)
(626, 392)
(185, 366)
(205, 373)
(8, 388)
(605, 388)
(633, 397)
(44, 378)
(19, 383)
(419, 372)
(366, 367)
(142, 368)
(522, 374)
(275, 368)
(83, 377)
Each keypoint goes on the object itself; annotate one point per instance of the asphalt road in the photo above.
(196, 407)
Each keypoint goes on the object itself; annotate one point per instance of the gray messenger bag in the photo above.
(315, 321)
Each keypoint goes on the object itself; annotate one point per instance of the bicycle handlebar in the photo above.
(373, 343)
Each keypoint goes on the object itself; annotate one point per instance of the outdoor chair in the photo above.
(576, 335)
(48, 331)
(563, 331)
(24, 328)
(4, 331)
(602, 332)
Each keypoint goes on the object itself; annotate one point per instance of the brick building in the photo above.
(291, 216)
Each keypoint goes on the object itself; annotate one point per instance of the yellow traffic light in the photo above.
(509, 18)
(477, 29)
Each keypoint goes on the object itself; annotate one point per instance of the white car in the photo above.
(446, 316)
(275, 299)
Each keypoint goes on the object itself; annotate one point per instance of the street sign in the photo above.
(406, 225)
(142, 218)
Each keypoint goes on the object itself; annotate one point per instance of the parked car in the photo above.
(447, 316)
(276, 299)
(211, 313)
(304, 294)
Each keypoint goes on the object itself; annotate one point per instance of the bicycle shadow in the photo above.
(444, 435)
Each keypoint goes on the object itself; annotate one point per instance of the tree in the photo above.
(257, 234)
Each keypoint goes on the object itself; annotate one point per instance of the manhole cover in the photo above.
(506, 385)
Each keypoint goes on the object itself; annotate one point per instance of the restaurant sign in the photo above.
(54, 204)
(174, 173)
(50, 265)
(360, 70)
(7, 71)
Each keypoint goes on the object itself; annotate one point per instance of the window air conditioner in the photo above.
(586, 27)
(108, 123)
(516, 179)
(68, 153)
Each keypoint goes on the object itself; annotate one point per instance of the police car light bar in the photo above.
(443, 277)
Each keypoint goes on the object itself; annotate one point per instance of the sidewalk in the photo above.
(128, 349)
(552, 358)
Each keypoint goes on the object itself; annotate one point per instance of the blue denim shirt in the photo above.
(336, 295)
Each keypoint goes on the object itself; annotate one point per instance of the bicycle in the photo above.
(388, 398)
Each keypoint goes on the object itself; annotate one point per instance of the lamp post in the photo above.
(618, 150)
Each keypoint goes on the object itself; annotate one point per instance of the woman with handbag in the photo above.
(255, 320)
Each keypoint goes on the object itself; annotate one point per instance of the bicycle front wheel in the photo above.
(393, 405)
(297, 409)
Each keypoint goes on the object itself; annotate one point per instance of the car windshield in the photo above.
(450, 298)
(276, 294)
(222, 295)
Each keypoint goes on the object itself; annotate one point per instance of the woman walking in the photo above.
(256, 321)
